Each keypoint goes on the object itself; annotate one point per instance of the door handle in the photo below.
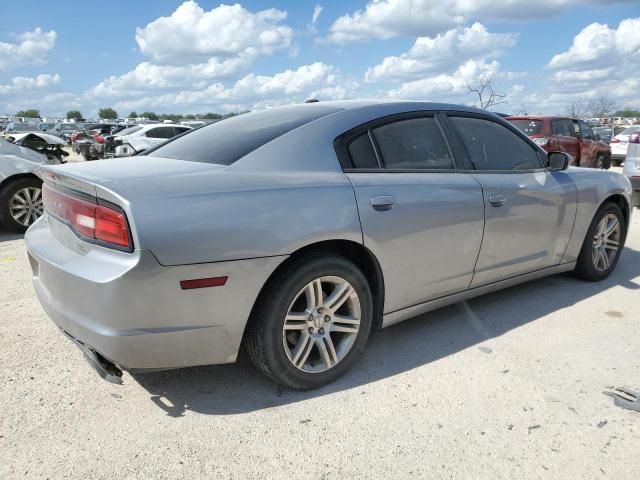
(497, 199)
(382, 202)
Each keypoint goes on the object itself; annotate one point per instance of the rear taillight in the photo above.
(615, 140)
(635, 138)
(89, 220)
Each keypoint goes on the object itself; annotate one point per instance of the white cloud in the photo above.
(190, 33)
(384, 19)
(442, 52)
(317, 10)
(250, 91)
(451, 85)
(32, 49)
(148, 76)
(39, 82)
(597, 45)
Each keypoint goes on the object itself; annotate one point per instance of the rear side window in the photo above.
(226, 141)
(528, 126)
(413, 144)
(362, 153)
(564, 128)
(492, 146)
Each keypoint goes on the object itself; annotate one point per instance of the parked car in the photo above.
(605, 133)
(66, 130)
(568, 135)
(51, 146)
(620, 143)
(19, 127)
(134, 140)
(20, 188)
(297, 230)
(632, 166)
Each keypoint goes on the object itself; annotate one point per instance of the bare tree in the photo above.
(600, 107)
(576, 109)
(487, 96)
(522, 110)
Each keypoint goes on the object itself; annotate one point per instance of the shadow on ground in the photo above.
(232, 389)
(7, 236)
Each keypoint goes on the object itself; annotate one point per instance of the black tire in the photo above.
(603, 161)
(7, 193)
(616, 162)
(585, 268)
(264, 337)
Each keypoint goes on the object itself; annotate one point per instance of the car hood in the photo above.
(17, 154)
(50, 139)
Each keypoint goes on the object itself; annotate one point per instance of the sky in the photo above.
(202, 56)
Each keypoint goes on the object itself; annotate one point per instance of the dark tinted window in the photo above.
(585, 130)
(161, 132)
(226, 141)
(530, 127)
(494, 147)
(362, 153)
(563, 128)
(179, 130)
(415, 144)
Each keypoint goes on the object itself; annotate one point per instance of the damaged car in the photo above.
(20, 187)
(135, 140)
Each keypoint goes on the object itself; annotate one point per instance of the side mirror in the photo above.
(557, 161)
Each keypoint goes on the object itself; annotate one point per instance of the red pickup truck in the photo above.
(566, 134)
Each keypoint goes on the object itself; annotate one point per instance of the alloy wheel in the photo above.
(26, 206)
(606, 242)
(322, 324)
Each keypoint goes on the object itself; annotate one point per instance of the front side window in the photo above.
(413, 144)
(586, 130)
(492, 146)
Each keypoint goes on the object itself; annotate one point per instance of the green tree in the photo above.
(150, 115)
(74, 115)
(30, 113)
(133, 115)
(190, 116)
(107, 113)
(211, 116)
(627, 112)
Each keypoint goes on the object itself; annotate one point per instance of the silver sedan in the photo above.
(296, 231)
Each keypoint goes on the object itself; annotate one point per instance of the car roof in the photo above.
(408, 104)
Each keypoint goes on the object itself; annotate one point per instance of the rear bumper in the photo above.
(131, 310)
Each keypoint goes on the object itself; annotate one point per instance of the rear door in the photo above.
(421, 215)
(565, 132)
(529, 211)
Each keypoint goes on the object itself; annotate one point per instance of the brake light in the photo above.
(615, 140)
(87, 219)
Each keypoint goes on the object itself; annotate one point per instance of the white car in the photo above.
(134, 140)
(620, 142)
(632, 165)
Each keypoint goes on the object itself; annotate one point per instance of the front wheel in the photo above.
(603, 244)
(311, 322)
(603, 162)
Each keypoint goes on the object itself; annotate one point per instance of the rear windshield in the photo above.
(530, 127)
(129, 131)
(226, 141)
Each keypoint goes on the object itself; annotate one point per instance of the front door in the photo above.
(420, 216)
(529, 211)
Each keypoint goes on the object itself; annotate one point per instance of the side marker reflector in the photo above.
(202, 283)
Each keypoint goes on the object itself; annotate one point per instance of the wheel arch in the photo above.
(622, 202)
(18, 176)
(355, 252)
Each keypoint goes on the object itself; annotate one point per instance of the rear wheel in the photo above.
(311, 322)
(21, 204)
(603, 244)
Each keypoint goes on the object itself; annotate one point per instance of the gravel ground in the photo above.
(504, 386)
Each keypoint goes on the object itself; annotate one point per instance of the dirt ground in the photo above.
(504, 386)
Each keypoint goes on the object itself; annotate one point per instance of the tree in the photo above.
(107, 113)
(576, 109)
(190, 116)
(150, 115)
(627, 112)
(600, 107)
(30, 113)
(133, 115)
(74, 115)
(522, 110)
(487, 96)
(211, 116)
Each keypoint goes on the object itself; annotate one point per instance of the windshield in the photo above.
(528, 126)
(226, 141)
